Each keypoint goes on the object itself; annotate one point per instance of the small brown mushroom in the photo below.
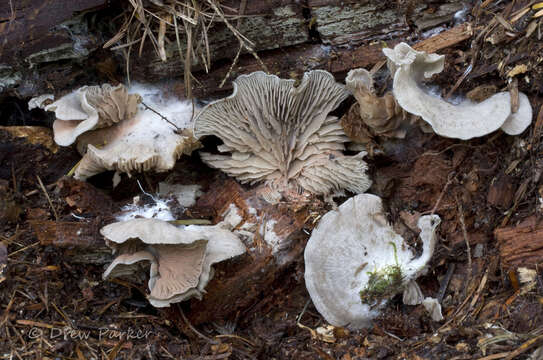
(381, 113)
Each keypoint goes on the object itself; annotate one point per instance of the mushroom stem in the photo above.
(427, 225)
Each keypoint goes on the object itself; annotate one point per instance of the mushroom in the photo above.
(433, 307)
(41, 101)
(151, 140)
(91, 107)
(355, 262)
(382, 114)
(465, 120)
(181, 258)
(282, 135)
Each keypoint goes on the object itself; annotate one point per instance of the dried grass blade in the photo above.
(161, 36)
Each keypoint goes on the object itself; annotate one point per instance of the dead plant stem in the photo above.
(48, 198)
(466, 239)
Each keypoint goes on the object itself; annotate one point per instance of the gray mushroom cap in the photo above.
(282, 135)
(348, 245)
(181, 258)
(91, 107)
(465, 120)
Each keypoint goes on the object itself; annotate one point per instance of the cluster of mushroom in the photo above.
(114, 132)
(354, 261)
(282, 136)
(409, 68)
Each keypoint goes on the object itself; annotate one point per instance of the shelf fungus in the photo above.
(180, 259)
(282, 134)
(89, 108)
(113, 132)
(355, 262)
(464, 120)
(381, 114)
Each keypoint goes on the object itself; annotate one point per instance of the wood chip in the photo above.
(513, 91)
(517, 70)
(521, 245)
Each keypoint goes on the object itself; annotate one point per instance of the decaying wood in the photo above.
(306, 57)
(268, 25)
(368, 55)
(353, 22)
(501, 192)
(238, 283)
(84, 199)
(32, 27)
(521, 245)
(81, 241)
(67, 234)
(280, 30)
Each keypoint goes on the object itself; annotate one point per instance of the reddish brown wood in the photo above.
(521, 245)
(501, 192)
(85, 199)
(84, 235)
(240, 282)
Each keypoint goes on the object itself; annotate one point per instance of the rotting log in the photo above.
(353, 22)
(521, 245)
(307, 57)
(267, 24)
(63, 49)
(278, 243)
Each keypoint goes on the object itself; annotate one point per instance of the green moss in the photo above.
(383, 283)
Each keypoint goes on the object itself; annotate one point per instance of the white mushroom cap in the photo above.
(41, 101)
(274, 131)
(145, 142)
(359, 79)
(465, 120)
(346, 246)
(91, 107)
(519, 121)
(181, 258)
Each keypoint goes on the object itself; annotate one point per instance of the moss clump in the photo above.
(383, 283)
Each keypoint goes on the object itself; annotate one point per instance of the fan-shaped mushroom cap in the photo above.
(181, 258)
(352, 244)
(143, 143)
(275, 132)
(91, 107)
(465, 120)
